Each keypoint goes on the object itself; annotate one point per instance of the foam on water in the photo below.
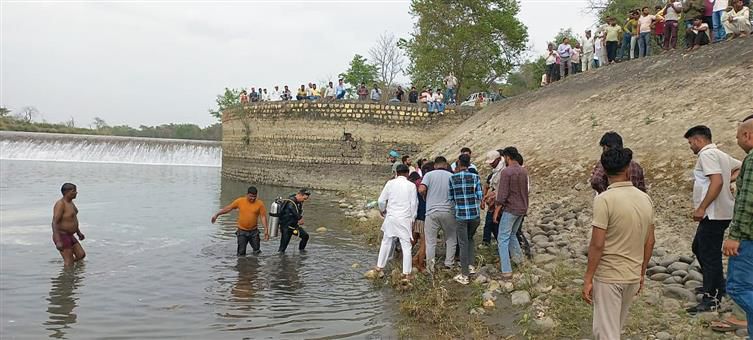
(108, 149)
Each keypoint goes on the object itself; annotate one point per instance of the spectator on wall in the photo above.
(363, 92)
(413, 95)
(376, 94)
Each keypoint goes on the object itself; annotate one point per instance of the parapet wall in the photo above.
(335, 145)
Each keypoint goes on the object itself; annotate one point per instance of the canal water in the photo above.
(157, 268)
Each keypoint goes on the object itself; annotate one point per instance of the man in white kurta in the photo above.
(398, 203)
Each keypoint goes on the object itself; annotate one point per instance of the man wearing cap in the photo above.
(394, 156)
(494, 159)
(398, 204)
(291, 220)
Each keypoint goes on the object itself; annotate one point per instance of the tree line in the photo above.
(26, 119)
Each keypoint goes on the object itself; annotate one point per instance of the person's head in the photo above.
(465, 151)
(402, 170)
(464, 161)
(420, 162)
(340, 81)
(69, 191)
(577, 45)
(738, 4)
(251, 194)
(330, 84)
(427, 167)
(566, 40)
(313, 86)
(412, 88)
(277, 87)
(406, 160)
(399, 88)
(512, 156)
(493, 158)
(363, 84)
(393, 156)
(265, 90)
(657, 8)
(645, 11)
(414, 177)
(616, 162)
(610, 140)
(253, 90)
(588, 33)
(303, 87)
(310, 84)
(611, 21)
(302, 195)
(698, 137)
(286, 88)
(440, 163)
(697, 21)
(550, 47)
(439, 90)
(375, 85)
(745, 134)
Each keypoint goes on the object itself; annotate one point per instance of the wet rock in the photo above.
(547, 219)
(481, 279)
(373, 274)
(543, 325)
(679, 293)
(677, 266)
(663, 336)
(687, 259)
(655, 270)
(321, 230)
(668, 260)
(520, 297)
(660, 276)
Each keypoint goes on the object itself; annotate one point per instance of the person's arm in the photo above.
(263, 212)
(382, 200)
(595, 251)
(451, 191)
(743, 211)
(483, 196)
(715, 187)
(637, 177)
(648, 250)
(57, 217)
(413, 204)
(224, 211)
(599, 180)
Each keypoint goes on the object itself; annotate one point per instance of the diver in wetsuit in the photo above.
(291, 219)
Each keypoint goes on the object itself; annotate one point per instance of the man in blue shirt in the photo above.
(340, 90)
(465, 192)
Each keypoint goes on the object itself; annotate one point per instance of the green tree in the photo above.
(526, 77)
(230, 98)
(99, 123)
(4, 111)
(477, 40)
(360, 71)
(565, 33)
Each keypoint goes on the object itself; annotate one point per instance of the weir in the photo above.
(108, 149)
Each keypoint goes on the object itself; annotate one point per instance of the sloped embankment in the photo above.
(651, 102)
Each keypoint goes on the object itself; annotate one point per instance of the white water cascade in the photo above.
(108, 149)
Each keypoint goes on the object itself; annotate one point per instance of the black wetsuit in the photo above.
(290, 213)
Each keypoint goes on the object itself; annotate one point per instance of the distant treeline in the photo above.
(99, 127)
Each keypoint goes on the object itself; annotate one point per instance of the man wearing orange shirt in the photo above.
(249, 211)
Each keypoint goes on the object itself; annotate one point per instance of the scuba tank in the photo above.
(274, 217)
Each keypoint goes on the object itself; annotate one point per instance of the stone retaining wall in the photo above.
(335, 145)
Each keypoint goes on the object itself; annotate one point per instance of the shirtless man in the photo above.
(65, 224)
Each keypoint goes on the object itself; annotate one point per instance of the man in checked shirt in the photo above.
(599, 181)
(465, 192)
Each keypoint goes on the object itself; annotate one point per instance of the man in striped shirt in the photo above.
(465, 192)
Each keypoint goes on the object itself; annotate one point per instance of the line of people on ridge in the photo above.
(706, 22)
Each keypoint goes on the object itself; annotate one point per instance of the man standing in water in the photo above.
(249, 210)
(291, 220)
(65, 224)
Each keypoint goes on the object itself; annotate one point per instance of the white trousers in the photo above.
(386, 249)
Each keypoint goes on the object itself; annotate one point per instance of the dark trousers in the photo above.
(696, 39)
(611, 51)
(245, 237)
(707, 248)
(670, 34)
(287, 234)
(466, 230)
(523, 240)
(491, 229)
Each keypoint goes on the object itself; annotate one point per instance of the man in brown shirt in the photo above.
(622, 241)
(599, 180)
(511, 205)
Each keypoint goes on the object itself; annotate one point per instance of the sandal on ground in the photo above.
(725, 326)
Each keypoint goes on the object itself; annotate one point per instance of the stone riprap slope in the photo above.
(651, 102)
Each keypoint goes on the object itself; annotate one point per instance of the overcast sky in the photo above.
(155, 62)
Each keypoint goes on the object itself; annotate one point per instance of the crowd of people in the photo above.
(435, 100)
(420, 201)
(705, 22)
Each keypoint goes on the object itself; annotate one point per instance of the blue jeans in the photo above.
(644, 44)
(432, 106)
(625, 50)
(740, 280)
(340, 95)
(449, 96)
(719, 32)
(507, 242)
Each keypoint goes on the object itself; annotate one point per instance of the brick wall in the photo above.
(336, 145)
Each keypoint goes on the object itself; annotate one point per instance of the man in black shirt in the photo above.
(291, 219)
(413, 95)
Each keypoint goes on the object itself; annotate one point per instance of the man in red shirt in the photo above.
(659, 28)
